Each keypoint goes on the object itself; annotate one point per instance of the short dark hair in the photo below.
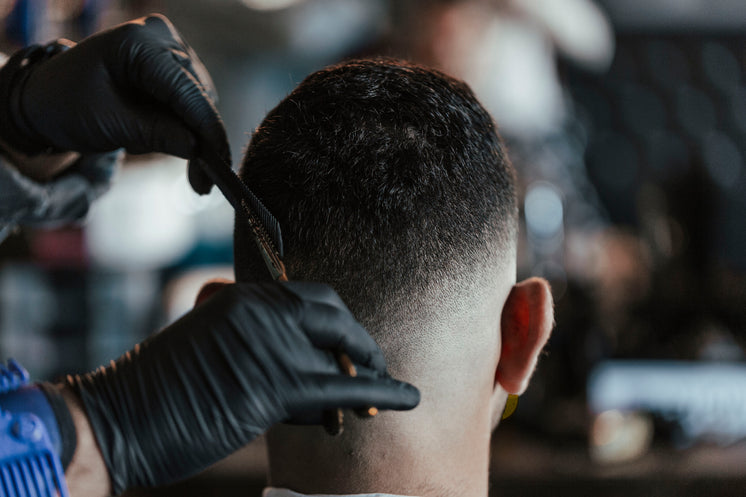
(386, 177)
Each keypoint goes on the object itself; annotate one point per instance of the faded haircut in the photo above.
(388, 179)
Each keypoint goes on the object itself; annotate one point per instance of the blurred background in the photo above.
(626, 120)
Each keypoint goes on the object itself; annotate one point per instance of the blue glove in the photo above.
(37, 436)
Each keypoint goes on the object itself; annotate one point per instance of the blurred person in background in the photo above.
(246, 358)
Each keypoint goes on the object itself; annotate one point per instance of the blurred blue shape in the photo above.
(543, 210)
(707, 400)
(88, 20)
(22, 24)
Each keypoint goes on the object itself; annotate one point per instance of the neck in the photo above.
(381, 456)
(440, 448)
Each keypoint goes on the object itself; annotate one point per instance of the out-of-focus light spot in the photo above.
(186, 201)
(720, 66)
(580, 29)
(512, 69)
(139, 224)
(211, 214)
(618, 436)
(543, 210)
(269, 4)
(604, 426)
(694, 111)
(722, 159)
(334, 28)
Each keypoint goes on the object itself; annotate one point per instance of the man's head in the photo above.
(391, 185)
(387, 179)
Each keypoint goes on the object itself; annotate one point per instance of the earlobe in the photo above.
(526, 323)
(209, 288)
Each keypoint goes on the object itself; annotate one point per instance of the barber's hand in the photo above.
(137, 86)
(248, 357)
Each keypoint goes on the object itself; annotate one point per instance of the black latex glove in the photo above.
(247, 358)
(137, 86)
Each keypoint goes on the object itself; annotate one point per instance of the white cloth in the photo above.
(283, 492)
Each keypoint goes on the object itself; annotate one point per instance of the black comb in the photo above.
(264, 226)
(268, 238)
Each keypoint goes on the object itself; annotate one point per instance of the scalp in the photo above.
(391, 184)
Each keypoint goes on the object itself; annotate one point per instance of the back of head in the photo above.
(391, 185)
(388, 180)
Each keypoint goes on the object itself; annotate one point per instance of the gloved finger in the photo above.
(183, 52)
(164, 132)
(337, 391)
(198, 69)
(329, 324)
(191, 62)
(168, 134)
(198, 178)
(163, 77)
(335, 329)
(315, 292)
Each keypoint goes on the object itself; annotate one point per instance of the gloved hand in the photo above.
(248, 357)
(64, 199)
(137, 86)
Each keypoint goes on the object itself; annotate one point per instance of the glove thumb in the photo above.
(200, 181)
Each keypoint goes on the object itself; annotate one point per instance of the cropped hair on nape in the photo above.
(386, 178)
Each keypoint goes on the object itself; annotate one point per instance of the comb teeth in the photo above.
(31, 476)
(235, 190)
(270, 223)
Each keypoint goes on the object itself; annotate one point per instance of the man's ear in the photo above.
(526, 323)
(209, 288)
